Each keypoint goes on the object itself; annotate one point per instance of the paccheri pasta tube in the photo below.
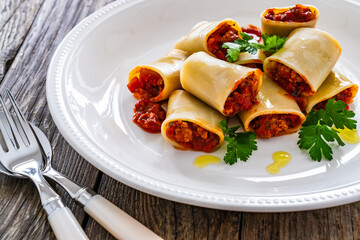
(157, 80)
(191, 124)
(251, 60)
(281, 21)
(276, 114)
(336, 86)
(209, 37)
(227, 87)
(304, 62)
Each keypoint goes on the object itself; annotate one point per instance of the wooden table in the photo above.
(30, 31)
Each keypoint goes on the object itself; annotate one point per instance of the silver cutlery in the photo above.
(20, 154)
(113, 219)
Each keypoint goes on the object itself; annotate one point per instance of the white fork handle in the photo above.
(116, 221)
(65, 225)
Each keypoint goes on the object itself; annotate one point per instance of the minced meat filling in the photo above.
(345, 96)
(215, 41)
(243, 97)
(149, 116)
(272, 125)
(299, 13)
(191, 135)
(147, 85)
(289, 79)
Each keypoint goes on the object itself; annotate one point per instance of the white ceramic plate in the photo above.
(89, 101)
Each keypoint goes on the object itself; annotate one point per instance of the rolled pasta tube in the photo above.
(284, 27)
(191, 124)
(251, 60)
(227, 87)
(209, 37)
(276, 114)
(157, 80)
(304, 62)
(336, 86)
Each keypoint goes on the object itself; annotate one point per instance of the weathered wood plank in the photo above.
(332, 223)
(16, 17)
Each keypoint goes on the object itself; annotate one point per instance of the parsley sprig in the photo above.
(317, 131)
(240, 145)
(247, 44)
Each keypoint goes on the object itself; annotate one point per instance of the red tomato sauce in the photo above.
(272, 125)
(149, 116)
(215, 41)
(299, 13)
(289, 80)
(147, 85)
(253, 31)
(345, 96)
(243, 97)
(253, 65)
(191, 135)
(301, 102)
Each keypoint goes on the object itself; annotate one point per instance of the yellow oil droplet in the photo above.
(349, 136)
(281, 159)
(205, 160)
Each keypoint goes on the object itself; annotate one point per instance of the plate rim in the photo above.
(89, 151)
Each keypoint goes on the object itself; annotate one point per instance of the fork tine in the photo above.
(5, 131)
(21, 119)
(12, 133)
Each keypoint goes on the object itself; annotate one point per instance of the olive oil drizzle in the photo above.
(281, 159)
(205, 160)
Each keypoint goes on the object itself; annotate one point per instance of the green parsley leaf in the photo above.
(272, 43)
(317, 131)
(339, 116)
(313, 137)
(247, 44)
(240, 145)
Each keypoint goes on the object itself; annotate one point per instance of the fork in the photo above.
(113, 219)
(21, 154)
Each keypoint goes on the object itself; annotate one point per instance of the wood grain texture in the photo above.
(15, 20)
(30, 31)
(25, 75)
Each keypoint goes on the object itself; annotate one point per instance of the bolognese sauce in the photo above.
(243, 97)
(289, 80)
(149, 116)
(147, 85)
(272, 125)
(191, 135)
(301, 102)
(299, 13)
(345, 96)
(253, 31)
(226, 33)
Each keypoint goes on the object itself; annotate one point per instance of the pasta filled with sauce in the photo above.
(209, 37)
(281, 21)
(229, 88)
(157, 80)
(336, 86)
(191, 124)
(251, 60)
(276, 114)
(304, 62)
